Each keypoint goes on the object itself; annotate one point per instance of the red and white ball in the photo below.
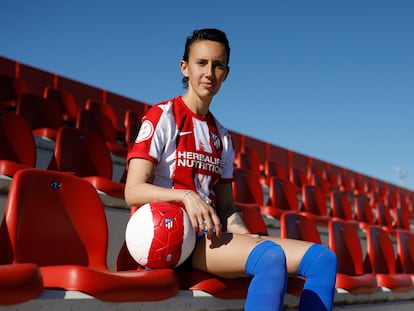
(160, 235)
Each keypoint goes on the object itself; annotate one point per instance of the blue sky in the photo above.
(330, 79)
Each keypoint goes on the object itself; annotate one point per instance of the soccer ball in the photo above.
(160, 235)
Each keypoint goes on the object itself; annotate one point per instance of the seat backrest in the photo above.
(132, 124)
(340, 205)
(344, 240)
(363, 210)
(383, 215)
(82, 152)
(39, 112)
(297, 177)
(380, 257)
(97, 122)
(274, 169)
(17, 143)
(64, 100)
(314, 200)
(294, 225)
(405, 251)
(10, 90)
(55, 218)
(106, 109)
(247, 187)
(282, 194)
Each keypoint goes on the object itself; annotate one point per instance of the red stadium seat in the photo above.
(282, 198)
(64, 101)
(109, 111)
(19, 282)
(132, 124)
(363, 211)
(294, 225)
(247, 187)
(345, 242)
(273, 169)
(57, 221)
(10, 90)
(341, 207)
(405, 252)
(381, 261)
(101, 124)
(314, 204)
(383, 217)
(298, 178)
(17, 144)
(85, 154)
(43, 116)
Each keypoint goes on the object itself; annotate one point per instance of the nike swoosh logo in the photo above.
(185, 133)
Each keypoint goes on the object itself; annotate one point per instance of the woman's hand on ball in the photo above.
(202, 215)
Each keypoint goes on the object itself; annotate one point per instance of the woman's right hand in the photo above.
(202, 215)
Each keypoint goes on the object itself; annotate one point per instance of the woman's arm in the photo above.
(140, 190)
(226, 210)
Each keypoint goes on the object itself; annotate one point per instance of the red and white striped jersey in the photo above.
(189, 151)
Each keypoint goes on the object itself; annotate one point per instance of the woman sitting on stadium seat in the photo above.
(183, 154)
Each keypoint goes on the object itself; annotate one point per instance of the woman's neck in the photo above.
(196, 104)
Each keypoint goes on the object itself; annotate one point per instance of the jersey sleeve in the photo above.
(149, 143)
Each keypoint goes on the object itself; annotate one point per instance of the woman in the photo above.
(183, 154)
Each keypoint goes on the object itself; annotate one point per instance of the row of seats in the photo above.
(293, 190)
(58, 107)
(69, 253)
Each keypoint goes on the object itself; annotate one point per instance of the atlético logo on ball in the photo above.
(168, 223)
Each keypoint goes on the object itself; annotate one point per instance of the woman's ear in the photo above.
(184, 68)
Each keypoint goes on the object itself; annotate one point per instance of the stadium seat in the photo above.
(343, 239)
(57, 221)
(10, 90)
(282, 198)
(298, 226)
(101, 124)
(363, 211)
(298, 178)
(109, 111)
(344, 183)
(252, 218)
(247, 187)
(405, 252)
(249, 160)
(273, 169)
(314, 204)
(65, 101)
(341, 206)
(44, 117)
(19, 282)
(383, 217)
(85, 154)
(381, 261)
(132, 124)
(401, 218)
(17, 144)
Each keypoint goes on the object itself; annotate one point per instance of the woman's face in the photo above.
(206, 68)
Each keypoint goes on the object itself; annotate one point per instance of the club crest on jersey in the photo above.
(216, 140)
(145, 132)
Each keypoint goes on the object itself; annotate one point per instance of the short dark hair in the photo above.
(211, 34)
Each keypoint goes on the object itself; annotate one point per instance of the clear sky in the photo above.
(327, 78)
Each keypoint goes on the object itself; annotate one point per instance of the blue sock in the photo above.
(318, 266)
(267, 265)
